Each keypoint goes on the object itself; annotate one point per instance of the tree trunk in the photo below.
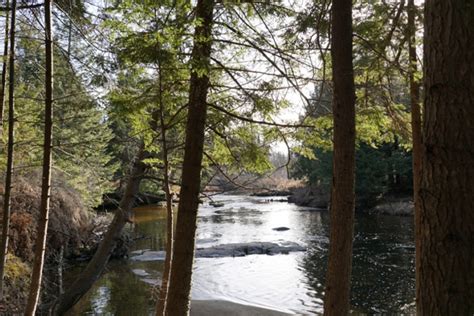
(161, 305)
(446, 280)
(42, 230)
(337, 296)
(95, 267)
(183, 254)
(4, 69)
(11, 142)
(60, 271)
(415, 129)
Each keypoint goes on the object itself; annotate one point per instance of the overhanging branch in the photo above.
(246, 119)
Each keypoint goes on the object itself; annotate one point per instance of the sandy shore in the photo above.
(217, 308)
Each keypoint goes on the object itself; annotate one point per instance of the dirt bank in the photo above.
(311, 196)
(70, 229)
(399, 205)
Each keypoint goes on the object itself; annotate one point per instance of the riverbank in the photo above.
(317, 198)
(110, 201)
(218, 307)
(72, 230)
(310, 196)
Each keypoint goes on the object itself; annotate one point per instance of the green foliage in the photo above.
(151, 83)
(381, 59)
(81, 132)
(241, 151)
(153, 46)
(379, 171)
(80, 150)
(258, 48)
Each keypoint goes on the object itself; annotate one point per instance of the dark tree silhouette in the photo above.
(446, 274)
(336, 300)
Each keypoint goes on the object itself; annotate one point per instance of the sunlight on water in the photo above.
(383, 277)
(267, 281)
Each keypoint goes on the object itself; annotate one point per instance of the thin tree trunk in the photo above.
(446, 280)
(4, 69)
(337, 296)
(161, 305)
(11, 141)
(60, 271)
(95, 267)
(69, 39)
(415, 129)
(40, 247)
(178, 301)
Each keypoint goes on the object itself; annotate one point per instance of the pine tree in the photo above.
(446, 272)
(40, 248)
(178, 301)
(338, 276)
(10, 149)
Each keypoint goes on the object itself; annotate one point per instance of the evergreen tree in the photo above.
(10, 150)
(447, 219)
(40, 249)
(338, 275)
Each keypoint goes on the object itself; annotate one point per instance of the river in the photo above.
(383, 266)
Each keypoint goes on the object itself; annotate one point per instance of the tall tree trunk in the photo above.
(42, 230)
(95, 267)
(161, 305)
(415, 129)
(11, 142)
(183, 254)
(4, 69)
(336, 299)
(446, 280)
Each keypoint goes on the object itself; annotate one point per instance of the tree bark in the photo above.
(95, 267)
(337, 296)
(415, 129)
(4, 69)
(446, 275)
(161, 305)
(10, 149)
(183, 255)
(40, 247)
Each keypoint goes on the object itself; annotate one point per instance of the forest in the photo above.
(237, 157)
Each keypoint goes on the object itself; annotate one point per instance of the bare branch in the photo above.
(246, 119)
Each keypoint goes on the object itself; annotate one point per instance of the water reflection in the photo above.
(383, 277)
(149, 228)
(118, 292)
(383, 273)
(383, 263)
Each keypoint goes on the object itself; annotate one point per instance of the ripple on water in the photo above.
(383, 264)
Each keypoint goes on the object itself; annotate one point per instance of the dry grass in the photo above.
(69, 220)
(278, 184)
(17, 281)
(70, 225)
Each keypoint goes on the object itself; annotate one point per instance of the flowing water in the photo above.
(383, 264)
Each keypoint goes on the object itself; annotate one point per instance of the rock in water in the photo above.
(244, 249)
(281, 229)
(230, 250)
(150, 256)
(216, 204)
(140, 272)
